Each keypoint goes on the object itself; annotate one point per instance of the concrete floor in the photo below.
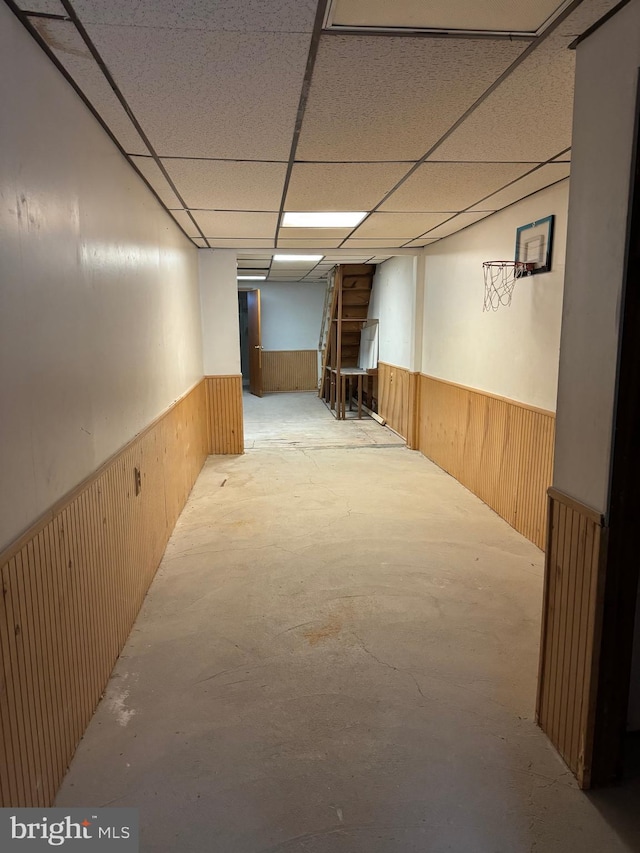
(338, 653)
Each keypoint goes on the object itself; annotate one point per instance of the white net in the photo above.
(499, 280)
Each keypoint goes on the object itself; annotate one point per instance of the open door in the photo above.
(255, 343)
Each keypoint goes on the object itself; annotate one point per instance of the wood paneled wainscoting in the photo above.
(398, 400)
(501, 450)
(289, 370)
(571, 626)
(224, 415)
(72, 587)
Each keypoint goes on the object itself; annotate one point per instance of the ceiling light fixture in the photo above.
(323, 220)
(311, 258)
(251, 277)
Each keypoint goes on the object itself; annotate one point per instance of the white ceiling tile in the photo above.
(380, 259)
(422, 241)
(184, 221)
(253, 263)
(452, 186)
(66, 43)
(390, 98)
(379, 243)
(252, 270)
(528, 117)
(235, 223)
(235, 243)
(153, 174)
(228, 185)
(231, 15)
(390, 225)
(500, 15)
(538, 180)
(332, 243)
(251, 255)
(303, 234)
(208, 94)
(200, 243)
(457, 223)
(341, 186)
(48, 7)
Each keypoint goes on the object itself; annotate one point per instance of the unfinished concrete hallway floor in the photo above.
(338, 653)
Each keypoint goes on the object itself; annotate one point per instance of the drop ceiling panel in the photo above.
(380, 243)
(418, 244)
(390, 225)
(305, 234)
(456, 224)
(528, 117)
(208, 94)
(341, 186)
(254, 263)
(230, 243)
(231, 15)
(537, 180)
(200, 243)
(563, 158)
(390, 98)
(48, 7)
(331, 243)
(252, 271)
(66, 43)
(236, 223)
(452, 186)
(507, 15)
(184, 221)
(586, 14)
(228, 185)
(153, 174)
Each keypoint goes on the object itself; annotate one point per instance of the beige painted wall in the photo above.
(512, 352)
(99, 311)
(393, 304)
(220, 320)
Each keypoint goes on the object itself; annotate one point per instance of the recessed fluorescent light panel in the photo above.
(323, 220)
(251, 277)
(312, 259)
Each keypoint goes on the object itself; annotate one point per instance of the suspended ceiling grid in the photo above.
(428, 117)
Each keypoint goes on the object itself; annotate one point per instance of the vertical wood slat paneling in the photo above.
(571, 616)
(225, 414)
(292, 370)
(499, 449)
(397, 391)
(72, 587)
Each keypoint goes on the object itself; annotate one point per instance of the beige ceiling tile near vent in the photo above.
(390, 225)
(527, 118)
(153, 174)
(341, 186)
(67, 44)
(457, 223)
(538, 180)
(236, 223)
(452, 186)
(492, 15)
(390, 98)
(228, 185)
(184, 221)
(209, 94)
(230, 15)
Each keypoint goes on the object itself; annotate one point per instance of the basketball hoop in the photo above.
(499, 280)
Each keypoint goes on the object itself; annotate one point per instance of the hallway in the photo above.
(338, 653)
